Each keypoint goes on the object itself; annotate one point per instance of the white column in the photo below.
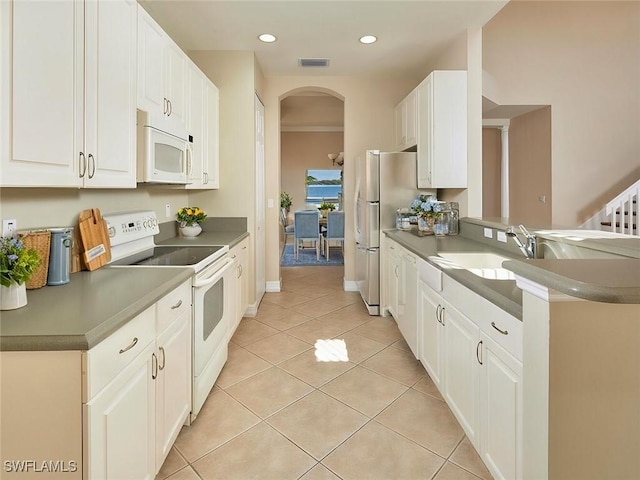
(504, 210)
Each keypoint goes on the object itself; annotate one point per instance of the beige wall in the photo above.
(583, 59)
(530, 168)
(50, 207)
(368, 115)
(491, 172)
(301, 151)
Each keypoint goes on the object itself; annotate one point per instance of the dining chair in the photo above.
(334, 231)
(306, 226)
(287, 229)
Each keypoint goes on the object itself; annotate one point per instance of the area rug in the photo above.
(307, 256)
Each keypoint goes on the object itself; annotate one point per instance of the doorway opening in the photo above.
(311, 146)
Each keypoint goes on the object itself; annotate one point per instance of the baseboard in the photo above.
(350, 285)
(273, 287)
(251, 311)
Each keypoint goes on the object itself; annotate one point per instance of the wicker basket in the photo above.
(40, 241)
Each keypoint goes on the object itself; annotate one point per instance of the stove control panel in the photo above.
(130, 226)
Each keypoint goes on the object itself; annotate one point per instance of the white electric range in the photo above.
(132, 245)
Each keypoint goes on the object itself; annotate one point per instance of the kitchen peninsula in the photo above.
(550, 360)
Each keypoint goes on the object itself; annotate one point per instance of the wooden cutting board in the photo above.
(95, 239)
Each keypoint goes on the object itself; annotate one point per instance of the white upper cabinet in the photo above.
(202, 126)
(162, 72)
(442, 130)
(68, 94)
(406, 119)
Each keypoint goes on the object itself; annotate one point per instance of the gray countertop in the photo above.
(502, 293)
(609, 280)
(93, 305)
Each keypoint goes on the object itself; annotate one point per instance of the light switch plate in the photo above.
(502, 237)
(167, 210)
(8, 227)
(270, 203)
(488, 232)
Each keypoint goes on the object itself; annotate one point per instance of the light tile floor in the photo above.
(276, 412)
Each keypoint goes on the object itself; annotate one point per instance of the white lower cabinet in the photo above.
(462, 371)
(500, 411)
(139, 391)
(119, 424)
(408, 297)
(240, 253)
(472, 351)
(431, 333)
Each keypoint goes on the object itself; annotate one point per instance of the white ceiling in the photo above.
(409, 32)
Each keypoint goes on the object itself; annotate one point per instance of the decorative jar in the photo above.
(425, 225)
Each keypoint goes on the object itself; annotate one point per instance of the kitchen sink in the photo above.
(485, 265)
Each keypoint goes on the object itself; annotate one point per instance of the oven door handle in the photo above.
(216, 276)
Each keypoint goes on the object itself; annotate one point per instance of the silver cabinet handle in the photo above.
(396, 271)
(442, 316)
(82, 165)
(154, 366)
(130, 346)
(438, 309)
(170, 111)
(163, 359)
(504, 332)
(166, 105)
(92, 165)
(478, 352)
(177, 305)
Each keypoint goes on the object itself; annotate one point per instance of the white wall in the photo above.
(583, 59)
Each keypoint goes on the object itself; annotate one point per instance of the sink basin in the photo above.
(485, 265)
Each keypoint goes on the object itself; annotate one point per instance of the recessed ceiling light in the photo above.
(267, 38)
(368, 39)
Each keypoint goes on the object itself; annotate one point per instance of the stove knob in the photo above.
(112, 231)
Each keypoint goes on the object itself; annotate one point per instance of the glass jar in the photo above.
(454, 218)
(441, 226)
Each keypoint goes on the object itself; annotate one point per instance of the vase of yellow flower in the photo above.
(189, 220)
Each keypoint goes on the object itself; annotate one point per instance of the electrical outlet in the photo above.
(269, 202)
(9, 227)
(502, 237)
(488, 233)
(167, 210)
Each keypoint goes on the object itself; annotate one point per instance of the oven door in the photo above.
(213, 303)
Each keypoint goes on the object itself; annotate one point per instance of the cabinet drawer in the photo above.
(113, 354)
(172, 305)
(503, 328)
(430, 275)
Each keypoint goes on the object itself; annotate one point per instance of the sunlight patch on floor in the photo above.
(331, 351)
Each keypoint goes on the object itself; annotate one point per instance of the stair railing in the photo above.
(624, 211)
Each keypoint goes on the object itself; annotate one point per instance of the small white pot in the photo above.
(13, 296)
(191, 231)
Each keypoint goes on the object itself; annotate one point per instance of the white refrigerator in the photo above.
(385, 181)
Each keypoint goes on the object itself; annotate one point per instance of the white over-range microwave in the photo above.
(164, 154)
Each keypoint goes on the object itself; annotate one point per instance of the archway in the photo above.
(311, 135)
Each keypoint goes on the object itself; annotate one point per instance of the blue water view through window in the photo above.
(324, 184)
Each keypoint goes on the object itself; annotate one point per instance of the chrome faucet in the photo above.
(529, 249)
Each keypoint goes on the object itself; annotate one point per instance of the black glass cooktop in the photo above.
(170, 256)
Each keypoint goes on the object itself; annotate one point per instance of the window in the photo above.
(324, 185)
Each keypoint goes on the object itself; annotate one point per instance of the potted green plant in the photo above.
(326, 207)
(285, 201)
(17, 264)
(189, 220)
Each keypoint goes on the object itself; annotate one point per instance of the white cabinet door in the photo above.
(501, 411)
(408, 297)
(196, 122)
(151, 84)
(110, 98)
(442, 130)
(202, 125)
(176, 81)
(461, 375)
(406, 118)
(240, 253)
(120, 423)
(42, 88)
(211, 165)
(173, 384)
(431, 333)
(394, 268)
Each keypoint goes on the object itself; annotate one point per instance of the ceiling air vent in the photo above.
(313, 62)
